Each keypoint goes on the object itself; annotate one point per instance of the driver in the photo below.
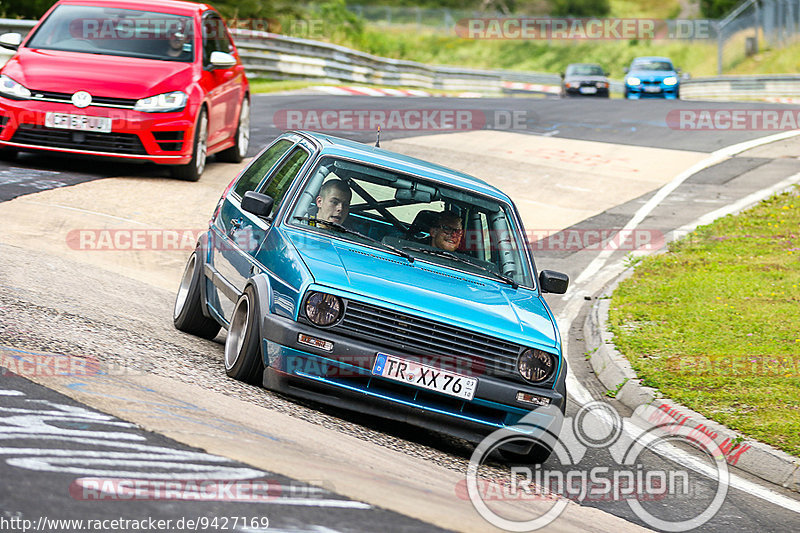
(446, 232)
(333, 202)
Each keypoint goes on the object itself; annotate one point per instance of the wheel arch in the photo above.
(262, 288)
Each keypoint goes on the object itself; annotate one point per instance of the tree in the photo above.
(580, 8)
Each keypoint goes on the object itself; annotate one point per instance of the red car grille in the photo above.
(99, 101)
(117, 143)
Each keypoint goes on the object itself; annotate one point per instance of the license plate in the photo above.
(588, 90)
(650, 89)
(424, 376)
(68, 121)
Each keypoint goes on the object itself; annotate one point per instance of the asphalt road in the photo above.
(86, 326)
(638, 123)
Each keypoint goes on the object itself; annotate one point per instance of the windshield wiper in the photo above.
(345, 229)
(454, 257)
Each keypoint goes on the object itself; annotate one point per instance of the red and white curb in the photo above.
(345, 90)
(531, 87)
(368, 91)
(782, 100)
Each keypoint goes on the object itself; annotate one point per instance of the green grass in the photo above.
(715, 322)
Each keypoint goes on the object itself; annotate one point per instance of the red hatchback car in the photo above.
(156, 81)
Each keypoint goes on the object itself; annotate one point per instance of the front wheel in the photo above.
(238, 151)
(194, 168)
(242, 347)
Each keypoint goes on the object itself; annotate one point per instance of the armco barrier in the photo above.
(758, 87)
(269, 55)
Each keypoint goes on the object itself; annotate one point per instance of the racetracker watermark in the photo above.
(734, 119)
(218, 490)
(27, 364)
(587, 29)
(650, 486)
(403, 119)
(736, 365)
(250, 239)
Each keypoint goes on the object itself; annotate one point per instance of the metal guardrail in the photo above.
(757, 87)
(269, 55)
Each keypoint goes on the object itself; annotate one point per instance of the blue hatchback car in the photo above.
(652, 77)
(353, 276)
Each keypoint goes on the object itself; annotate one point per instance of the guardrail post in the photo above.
(720, 44)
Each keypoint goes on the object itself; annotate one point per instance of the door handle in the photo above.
(236, 224)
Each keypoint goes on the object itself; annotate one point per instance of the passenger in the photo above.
(333, 202)
(446, 233)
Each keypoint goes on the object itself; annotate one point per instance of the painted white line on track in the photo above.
(597, 274)
(715, 157)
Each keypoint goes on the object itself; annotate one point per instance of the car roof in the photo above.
(176, 7)
(339, 146)
(583, 65)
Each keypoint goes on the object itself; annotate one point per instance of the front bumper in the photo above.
(669, 92)
(164, 138)
(343, 378)
(600, 92)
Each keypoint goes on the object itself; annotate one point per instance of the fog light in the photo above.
(308, 340)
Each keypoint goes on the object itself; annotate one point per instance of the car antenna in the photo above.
(378, 140)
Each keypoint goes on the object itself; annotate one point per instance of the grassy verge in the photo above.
(715, 322)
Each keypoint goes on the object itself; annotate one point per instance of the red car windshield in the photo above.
(119, 32)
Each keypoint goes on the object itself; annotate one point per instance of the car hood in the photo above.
(427, 290)
(652, 74)
(110, 76)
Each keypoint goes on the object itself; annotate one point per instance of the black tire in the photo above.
(627, 94)
(194, 168)
(243, 346)
(187, 314)
(237, 152)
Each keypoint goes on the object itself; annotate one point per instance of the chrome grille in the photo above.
(424, 337)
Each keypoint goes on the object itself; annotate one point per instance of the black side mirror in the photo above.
(551, 281)
(563, 75)
(257, 203)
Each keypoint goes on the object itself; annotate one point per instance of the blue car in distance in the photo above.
(339, 281)
(652, 77)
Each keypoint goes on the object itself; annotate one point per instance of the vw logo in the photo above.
(81, 99)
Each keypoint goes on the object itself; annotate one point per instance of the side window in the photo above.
(215, 38)
(284, 176)
(256, 172)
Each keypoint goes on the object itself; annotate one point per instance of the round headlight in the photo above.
(323, 309)
(535, 365)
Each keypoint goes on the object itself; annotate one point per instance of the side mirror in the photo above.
(563, 75)
(222, 60)
(625, 70)
(554, 282)
(10, 41)
(606, 73)
(257, 203)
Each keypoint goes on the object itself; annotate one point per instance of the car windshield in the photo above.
(403, 214)
(584, 70)
(118, 32)
(651, 65)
